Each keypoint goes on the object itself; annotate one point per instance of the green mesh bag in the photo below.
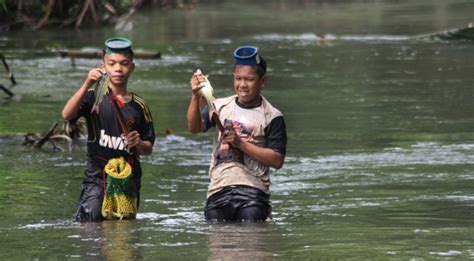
(120, 199)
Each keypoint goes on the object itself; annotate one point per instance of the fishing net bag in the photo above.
(120, 199)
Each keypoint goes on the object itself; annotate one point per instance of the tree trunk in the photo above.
(45, 18)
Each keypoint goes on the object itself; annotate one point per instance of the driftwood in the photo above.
(71, 130)
(53, 138)
(7, 68)
(99, 54)
(75, 129)
(465, 33)
(7, 91)
(10, 94)
(91, 54)
(38, 142)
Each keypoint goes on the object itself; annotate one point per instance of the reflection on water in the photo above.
(239, 242)
(105, 241)
(120, 240)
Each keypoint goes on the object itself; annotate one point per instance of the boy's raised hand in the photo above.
(196, 81)
(94, 76)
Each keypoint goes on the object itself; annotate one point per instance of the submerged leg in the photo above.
(90, 206)
(252, 214)
(218, 214)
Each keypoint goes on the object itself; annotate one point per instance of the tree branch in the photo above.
(45, 18)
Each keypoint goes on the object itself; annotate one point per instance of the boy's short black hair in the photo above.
(129, 53)
(261, 71)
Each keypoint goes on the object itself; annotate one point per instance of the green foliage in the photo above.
(3, 4)
(37, 14)
(3, 8)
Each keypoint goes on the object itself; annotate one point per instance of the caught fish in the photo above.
(207, 91)
(100, 89)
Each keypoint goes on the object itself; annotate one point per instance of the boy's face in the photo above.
(247, 84)
(119, 66)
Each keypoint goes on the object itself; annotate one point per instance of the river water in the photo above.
(380, 153)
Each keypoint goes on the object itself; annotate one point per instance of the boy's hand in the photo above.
(133, 139)
(196, 81)
(94, 76)
(231, 137)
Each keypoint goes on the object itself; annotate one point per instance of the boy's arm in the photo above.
(194, 115)
(144, 147)
(144, 137)
(72, 106)
(195, 123)
(265, 156)
(273, 154)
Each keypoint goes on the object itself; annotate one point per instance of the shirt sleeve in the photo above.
(147, 130)
(86, 105)
(275, 135)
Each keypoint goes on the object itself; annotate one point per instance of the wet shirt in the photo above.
(262, 125)
(105, 135)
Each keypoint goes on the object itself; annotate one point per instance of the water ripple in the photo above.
(330, 37)
(418, 154)
(180, 151)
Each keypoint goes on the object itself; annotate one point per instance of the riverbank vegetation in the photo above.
(34, 14)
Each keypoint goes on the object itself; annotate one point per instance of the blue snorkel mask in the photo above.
(248, 55)
(118, 45)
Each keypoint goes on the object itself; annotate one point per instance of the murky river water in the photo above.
(380, 154)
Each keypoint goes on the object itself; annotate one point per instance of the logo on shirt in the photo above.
(112, 142)
(225, 153)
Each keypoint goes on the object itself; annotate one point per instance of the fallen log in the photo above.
(91, 54)
(99, 53)
(465, 33)
(71, 130)
(45, 137)
(37, 141)
(75, 129)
